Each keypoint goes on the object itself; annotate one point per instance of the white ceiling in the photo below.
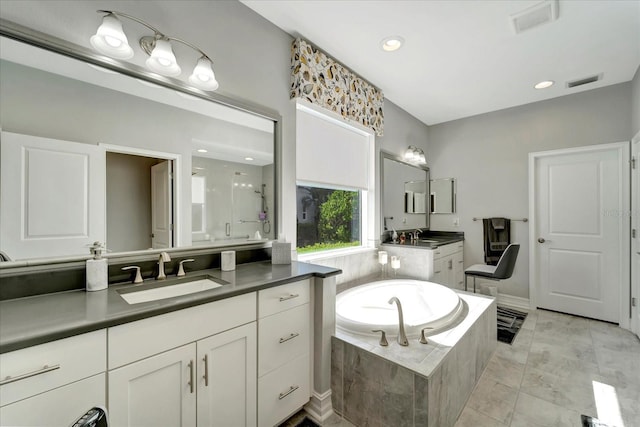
(462, 58)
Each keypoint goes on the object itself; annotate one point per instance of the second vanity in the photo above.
(240, 354)
(436, 257)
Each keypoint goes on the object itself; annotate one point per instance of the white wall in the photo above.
(635, 104)
(488, 154)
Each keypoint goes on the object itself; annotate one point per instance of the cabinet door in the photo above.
(458, 271)
(157, 391)
(439, 271)
(58, 407)
(227, 378)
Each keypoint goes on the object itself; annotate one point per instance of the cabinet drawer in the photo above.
(443, 251)
(282, 337)
(47, 366)
(283, 391)
(284, 297)
(143, 338)
(59, 407)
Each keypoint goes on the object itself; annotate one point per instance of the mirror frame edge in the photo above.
(388, 155)
(57, 45)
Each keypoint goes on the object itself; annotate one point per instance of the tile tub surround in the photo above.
(418, 385)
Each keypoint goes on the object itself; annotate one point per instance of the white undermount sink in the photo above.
(165, 291)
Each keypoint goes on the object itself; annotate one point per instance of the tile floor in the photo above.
(558, 368)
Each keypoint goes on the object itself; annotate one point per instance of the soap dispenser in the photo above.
(97, 269)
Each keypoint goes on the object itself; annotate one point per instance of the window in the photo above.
(334, 171)
(328, 218)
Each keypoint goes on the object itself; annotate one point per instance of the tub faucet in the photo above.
(164, 257)
(402, 336)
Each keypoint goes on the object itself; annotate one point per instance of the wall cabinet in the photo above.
(53, 383)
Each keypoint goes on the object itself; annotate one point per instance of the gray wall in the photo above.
(128, 202)
(488, 155)
(635, 104)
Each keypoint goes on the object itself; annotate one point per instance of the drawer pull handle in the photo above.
(191, 385)
(290, 337)
(288, 392)
(439, 271)
(46, 368)
(206, 370)
(288, 297)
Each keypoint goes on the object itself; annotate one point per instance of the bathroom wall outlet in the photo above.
(456, 222)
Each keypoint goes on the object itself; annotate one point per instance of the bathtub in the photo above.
(364, 308)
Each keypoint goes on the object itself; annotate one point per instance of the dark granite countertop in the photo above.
(431, 240)
(29, 321)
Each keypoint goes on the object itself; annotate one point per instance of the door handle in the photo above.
(206, 370)
(541, 240)
(191, 383)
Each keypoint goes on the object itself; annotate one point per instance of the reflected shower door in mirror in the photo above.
(90, 154)
(443, 195)
(404, 204)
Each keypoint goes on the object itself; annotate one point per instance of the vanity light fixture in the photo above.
(392, 43)
(544, 84)
(111, 40)
(414, 154)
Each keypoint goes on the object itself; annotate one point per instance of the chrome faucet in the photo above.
(402, 336)
(164, 257)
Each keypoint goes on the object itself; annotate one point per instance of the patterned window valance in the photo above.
(325, 82)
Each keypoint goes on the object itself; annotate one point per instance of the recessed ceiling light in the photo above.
(544, 84)
(249, 159)
(202, 150)
(391, 43)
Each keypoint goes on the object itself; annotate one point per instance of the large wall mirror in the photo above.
(404, 194)
(91, 154)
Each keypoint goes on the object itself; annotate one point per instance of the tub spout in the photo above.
(402, 336)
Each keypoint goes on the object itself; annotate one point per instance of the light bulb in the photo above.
(111, 40)
(162, 59)
(203, 76)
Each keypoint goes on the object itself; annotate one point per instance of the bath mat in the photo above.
(307, 422)
(509, 323)
(588, 421)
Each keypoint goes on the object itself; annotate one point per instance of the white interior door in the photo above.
(52, 196)
(581, 256)
(161, 206)
(635, 244)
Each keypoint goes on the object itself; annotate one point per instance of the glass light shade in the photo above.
(162, 60)
(422, 159)
(409, 154)
(203, 76)
(111, 40)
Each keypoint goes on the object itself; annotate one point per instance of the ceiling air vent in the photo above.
(539, 14)
(584, 81)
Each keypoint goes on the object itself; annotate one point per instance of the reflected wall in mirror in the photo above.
(443, 196)
(403, 189)
(415, 197)
(89, 154)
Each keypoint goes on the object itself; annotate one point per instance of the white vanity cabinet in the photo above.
(448, 265)
(53, 383)
(284, 344)
(190, 367)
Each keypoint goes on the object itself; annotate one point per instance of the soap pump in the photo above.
(97, 269)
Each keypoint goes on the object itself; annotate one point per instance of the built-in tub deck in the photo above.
(418, 385)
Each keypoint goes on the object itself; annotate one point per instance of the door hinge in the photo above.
(633, 162)
(634, 302)
(633, 233)
(171, 227)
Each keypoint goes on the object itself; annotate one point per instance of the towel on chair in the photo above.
(497, 236)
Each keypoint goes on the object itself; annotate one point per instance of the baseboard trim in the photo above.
(319, 406)
(513, 301)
